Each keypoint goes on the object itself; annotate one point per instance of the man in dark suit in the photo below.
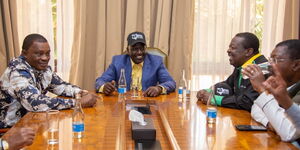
(243, 50)
(146, 70)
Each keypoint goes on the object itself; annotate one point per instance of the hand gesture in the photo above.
(88, 99)
(277, 87)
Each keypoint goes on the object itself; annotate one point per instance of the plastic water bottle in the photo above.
(182, 86)
(78, 118)
(122, 86)
(211, 112)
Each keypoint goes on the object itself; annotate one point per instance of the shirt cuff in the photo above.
(164, 91)
(263, 99)
(293, 111)
(217, 97)
(101, 89)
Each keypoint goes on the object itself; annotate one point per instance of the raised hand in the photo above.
(278, 88)
(256, 77)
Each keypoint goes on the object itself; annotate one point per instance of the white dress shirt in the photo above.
(286, 123)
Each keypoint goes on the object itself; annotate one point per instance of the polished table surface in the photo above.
(179, 125)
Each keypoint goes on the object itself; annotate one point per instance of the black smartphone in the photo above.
(251, 128)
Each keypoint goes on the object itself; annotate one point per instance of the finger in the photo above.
(110, 86)
(113, 82)
(200, 94)
(146, 92)
(275, 70)
(152, 92)
(256, 68)
(109, 89)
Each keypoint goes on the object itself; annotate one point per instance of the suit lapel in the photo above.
(128, 72)
(146, 71)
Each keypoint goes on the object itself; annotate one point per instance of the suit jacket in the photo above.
(295, 92)
(243, 95)
(154, 73)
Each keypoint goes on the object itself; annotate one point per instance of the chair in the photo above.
(158, 52)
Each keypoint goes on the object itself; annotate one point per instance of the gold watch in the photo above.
(5, 145)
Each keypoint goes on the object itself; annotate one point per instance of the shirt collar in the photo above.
(251, 60)
(132, 63)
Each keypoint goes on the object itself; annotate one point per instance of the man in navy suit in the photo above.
(145, 70)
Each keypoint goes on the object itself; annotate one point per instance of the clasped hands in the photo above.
(152, 91)
(88, 99)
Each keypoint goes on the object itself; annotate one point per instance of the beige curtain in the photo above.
(9, 43)
(281, 22)
(35, 16)
(64, 37)
(101, 29)
(216, 23)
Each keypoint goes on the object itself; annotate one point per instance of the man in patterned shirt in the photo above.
(27, 80)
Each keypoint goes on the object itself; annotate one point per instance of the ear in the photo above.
(296, 65)
(24, 52)
(127, 49)
(249, 52)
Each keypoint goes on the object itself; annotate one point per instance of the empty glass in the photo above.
(53, 126)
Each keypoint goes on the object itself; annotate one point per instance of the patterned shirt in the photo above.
(24, 89)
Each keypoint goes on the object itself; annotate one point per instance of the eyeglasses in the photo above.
(277, 60)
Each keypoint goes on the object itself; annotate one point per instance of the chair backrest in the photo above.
(158, 52)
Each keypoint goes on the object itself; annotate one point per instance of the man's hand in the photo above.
(256, 77)
(88, 99)
(18, 138)
(277, 87)
(109, 87)
(153, 91)
(203, 96)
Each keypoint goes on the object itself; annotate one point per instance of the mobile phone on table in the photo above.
(251, 128)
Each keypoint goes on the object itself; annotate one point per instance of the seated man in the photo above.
(145, 69)
(243, 50)
(285, 60)
(28, 78)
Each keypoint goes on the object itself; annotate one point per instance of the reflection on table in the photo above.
(179, 125)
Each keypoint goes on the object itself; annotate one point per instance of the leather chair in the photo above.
(158, 52)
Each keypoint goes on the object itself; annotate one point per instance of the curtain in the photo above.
(9, 42)
(101, 29)
(281, 22)
(216, 23)
(64, 37)
(35, 16)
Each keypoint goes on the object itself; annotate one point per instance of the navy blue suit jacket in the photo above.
(154, 73)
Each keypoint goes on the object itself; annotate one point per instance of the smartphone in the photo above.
(251, 128)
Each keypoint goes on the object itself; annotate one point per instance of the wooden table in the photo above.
(178, 126)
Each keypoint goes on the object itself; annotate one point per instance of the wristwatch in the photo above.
(4, 145)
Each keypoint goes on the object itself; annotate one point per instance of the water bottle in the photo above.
(122, 86)
(182, 86)
(188, 90)
(211, 112)
(78, 118)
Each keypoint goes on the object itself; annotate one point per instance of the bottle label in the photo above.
(180, 90)
(122, 90)
(211, 113)
(78, 127)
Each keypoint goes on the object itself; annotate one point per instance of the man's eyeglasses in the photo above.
(277, 60)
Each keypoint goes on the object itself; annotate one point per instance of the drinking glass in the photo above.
(53, 126)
